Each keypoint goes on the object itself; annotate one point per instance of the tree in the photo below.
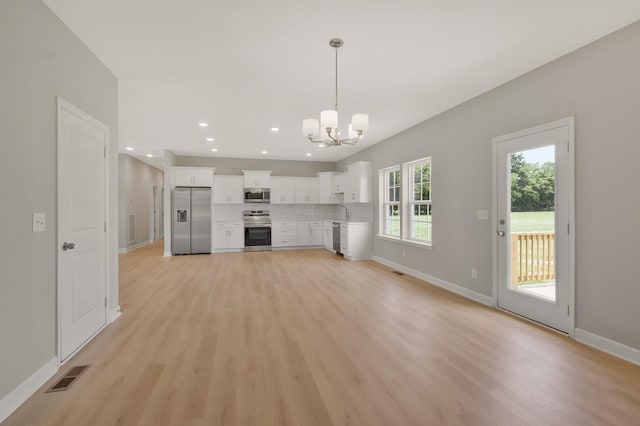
(532, 185)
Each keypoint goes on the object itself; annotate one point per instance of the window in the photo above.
(420, 204)
(405, 202)
(391, 179)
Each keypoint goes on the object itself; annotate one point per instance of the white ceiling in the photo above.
(246, 66)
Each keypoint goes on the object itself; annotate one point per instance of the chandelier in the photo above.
(326, 131)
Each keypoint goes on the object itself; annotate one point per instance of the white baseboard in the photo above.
(167, 254)
(114, 314)
(609, 346)
(454, 288)
(134, 247)
(20, 394)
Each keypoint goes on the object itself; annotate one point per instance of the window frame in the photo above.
(386, 203)
(406, 204)
(411, 202)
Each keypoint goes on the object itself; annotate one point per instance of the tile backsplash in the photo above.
(223, 212)
(359, 212)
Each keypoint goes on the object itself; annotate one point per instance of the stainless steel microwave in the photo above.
(257, 195)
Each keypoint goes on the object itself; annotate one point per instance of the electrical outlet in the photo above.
(404, 252)
(474, 273)
(39, 222)
(482, 214)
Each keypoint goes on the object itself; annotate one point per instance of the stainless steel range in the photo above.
(257, 230)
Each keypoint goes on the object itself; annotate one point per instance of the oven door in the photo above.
(257, 238)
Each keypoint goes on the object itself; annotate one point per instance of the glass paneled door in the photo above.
(534, 205)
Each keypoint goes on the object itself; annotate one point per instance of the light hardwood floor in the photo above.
(306, 338)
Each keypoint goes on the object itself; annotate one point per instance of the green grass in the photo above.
(421, 230)
(532, 222)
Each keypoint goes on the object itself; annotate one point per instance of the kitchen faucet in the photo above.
(346, 213)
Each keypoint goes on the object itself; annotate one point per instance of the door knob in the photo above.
(501, 233)
(68, 246)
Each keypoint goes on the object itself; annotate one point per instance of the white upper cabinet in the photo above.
(359, 188)
(228, 190)
(339, 182)
(193, 176)
(257, 178)
(327, 193)
(283, 190)
(307, 190)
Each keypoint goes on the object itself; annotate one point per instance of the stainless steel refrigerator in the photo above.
(191, 230)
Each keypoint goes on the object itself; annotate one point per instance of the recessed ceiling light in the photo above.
(321, 145)
(214, 149)
(203, 124)
(209, 139)
(265, 152)
(275, 129)
(149, 155)
(129, 148)
(308, 154)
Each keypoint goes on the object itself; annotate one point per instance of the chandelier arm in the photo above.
(350, 141)
(316, 141)
(335, 140)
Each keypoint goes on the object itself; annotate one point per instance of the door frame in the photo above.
(63, 105)
(570, 123)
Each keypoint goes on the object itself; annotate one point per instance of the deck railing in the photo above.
(532, 257)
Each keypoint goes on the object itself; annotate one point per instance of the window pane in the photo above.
(425, 192)
(391, 194)
(416, 192)
(397, 194)
(426, 173)
(397, 177)
(391, 178)
(417, 175)
(392, 222)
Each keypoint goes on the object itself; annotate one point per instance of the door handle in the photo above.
(68, 246)
(501, 233)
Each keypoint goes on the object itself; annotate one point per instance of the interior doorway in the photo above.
(82, 226)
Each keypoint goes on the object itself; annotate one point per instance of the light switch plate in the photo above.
(482, 214)
(39, 222)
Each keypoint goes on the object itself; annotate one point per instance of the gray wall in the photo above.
(234, 166)
(136, 182)
(41, 59)
(169, 163)
(599, 84)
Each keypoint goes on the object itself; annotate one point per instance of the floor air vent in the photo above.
(70, 378)
(398, 272)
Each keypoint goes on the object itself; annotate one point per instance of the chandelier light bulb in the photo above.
(311, 127)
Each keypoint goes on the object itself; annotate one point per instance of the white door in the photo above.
(82, 145)
(534, 223)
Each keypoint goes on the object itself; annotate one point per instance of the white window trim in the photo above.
(405, 204)
(409, 203)
(383, 185)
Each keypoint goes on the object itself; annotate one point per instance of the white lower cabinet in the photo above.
(228, 235)
(356, 240)
(284, 233)
(327, 234)
(310, 233)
